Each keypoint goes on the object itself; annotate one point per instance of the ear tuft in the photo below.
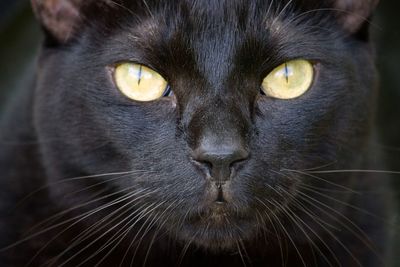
(354, 13)
(59, 17)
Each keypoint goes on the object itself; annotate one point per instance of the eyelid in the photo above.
(138, 62)
(314, 62)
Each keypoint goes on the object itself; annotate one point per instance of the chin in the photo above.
(216, 229)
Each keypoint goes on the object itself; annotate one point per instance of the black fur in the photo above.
(73, 122)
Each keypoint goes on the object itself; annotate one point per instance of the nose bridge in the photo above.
(219, 124)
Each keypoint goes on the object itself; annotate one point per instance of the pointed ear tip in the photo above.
(35, 7)
(58, 17)
(374, 4)
(356, 12)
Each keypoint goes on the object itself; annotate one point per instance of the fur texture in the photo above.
(105, 180)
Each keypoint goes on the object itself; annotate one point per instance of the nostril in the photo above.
(220, 159)
(205, 164)
(238, 156)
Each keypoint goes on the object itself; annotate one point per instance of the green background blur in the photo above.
(20, 37)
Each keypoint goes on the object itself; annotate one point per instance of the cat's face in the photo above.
(216, 160)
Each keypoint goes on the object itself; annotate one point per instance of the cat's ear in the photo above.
(60, 18)
(354, 13)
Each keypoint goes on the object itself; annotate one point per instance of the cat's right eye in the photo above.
(139, 82)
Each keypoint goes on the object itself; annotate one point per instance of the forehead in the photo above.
(208, 19)
(221, 11)
(212, 34)
(204, 20)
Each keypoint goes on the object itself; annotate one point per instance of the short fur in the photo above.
(115, 181)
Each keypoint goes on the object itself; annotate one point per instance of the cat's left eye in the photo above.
(139, 82)
(289, 80)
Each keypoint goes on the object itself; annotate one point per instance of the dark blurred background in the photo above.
(20, 38)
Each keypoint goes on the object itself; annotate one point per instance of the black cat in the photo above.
(195, 133)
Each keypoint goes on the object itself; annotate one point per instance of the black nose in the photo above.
(219, 159)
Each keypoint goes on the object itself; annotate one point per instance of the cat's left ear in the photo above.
(60, 18)
(354, 13)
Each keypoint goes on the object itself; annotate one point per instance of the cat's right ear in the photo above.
(60, 18)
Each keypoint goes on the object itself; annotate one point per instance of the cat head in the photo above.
(225, 145)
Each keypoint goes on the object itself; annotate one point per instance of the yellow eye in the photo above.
(289, 80)
(139, 82)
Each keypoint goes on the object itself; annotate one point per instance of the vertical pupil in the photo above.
(139, 74)
(286, 73)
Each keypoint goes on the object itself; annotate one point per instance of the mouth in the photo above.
(216, 216)
(218, 227)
